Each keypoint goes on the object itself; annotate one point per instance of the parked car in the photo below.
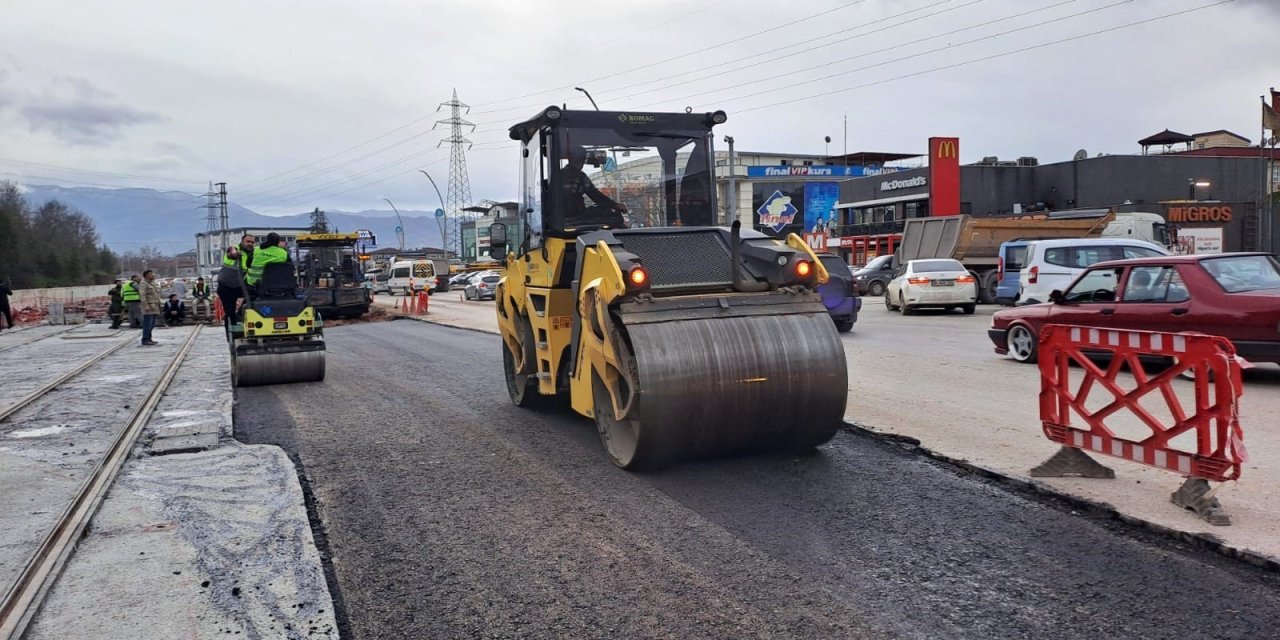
(378, 281)
(483, 286)
(1054, 264)
(941, 283)
(1234, 295)
(1009, 272)
(839, 294)
(872, 278)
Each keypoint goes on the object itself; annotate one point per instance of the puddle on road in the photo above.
(42, 431)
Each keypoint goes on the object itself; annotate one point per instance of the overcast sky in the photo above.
(174, 93)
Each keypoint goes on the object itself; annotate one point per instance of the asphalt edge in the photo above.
(320, 537)
(1024, 484)
(400, 315)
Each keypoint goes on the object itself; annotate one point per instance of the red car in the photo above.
(1235, 295)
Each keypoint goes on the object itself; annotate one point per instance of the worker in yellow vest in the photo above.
(132, 301)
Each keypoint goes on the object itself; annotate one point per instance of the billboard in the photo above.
(794, 207)
(820, 206)
(816, 171)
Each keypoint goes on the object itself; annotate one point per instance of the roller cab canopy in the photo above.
(585, 171)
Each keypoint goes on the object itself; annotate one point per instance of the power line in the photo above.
(903, 58)
(109, 174)
(683, 56)
(429, 116)
(701, 69)
(990, 57)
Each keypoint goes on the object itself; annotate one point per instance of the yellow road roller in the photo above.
(278, 338)
(682, 339)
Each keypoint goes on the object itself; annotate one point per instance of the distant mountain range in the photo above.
(127, 219)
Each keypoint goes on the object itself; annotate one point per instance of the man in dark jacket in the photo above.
(5, 292)
(116, 309)
(174, 311)
(235, 265)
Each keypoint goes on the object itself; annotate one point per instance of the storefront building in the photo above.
(1214, 197)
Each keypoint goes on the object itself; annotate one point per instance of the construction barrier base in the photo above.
(1072, 463)
(1195, 495)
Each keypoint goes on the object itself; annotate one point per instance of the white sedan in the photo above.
(940, 283)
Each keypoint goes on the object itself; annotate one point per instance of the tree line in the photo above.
(50, 245)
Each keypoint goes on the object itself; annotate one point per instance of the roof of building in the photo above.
(1165, 137)
(1222, 131)
(871, 157)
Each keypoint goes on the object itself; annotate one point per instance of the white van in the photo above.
(1054, 264)
(412, 276)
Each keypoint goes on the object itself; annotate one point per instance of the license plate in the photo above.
(943, 283)
(282, 325)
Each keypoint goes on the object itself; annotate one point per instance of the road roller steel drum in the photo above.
(711, 383)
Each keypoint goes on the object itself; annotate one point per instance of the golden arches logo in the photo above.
(946, 149)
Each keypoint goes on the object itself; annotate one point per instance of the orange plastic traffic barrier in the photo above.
(422, 302)
(1067, 417)
(218, 314)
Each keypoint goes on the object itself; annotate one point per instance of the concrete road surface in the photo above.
(450, 513)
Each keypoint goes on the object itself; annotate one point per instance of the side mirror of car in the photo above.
(497, 240)
(1056, 297)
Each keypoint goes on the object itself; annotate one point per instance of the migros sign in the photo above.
(1199, 214)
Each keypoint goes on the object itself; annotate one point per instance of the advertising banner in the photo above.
(778, 207)
(819, 206)
(816, 171)
(1199, 241)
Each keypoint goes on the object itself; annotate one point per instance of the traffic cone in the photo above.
(404, 307)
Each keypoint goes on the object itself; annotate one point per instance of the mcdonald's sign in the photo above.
(944, 176)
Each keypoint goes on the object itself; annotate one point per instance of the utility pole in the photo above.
(223, 218)
(216, 221)
(731, 211)
(459, 184)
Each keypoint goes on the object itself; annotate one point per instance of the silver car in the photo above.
(483, 287)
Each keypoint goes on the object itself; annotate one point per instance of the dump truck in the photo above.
(330, 272)
(975, 242)
(681, 339)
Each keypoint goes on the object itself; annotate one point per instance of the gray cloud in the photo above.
(76, 111)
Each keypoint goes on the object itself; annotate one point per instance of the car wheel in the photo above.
(904, 307)
(1021, 343)
(876, 288)
(888, 304)
(969, 309)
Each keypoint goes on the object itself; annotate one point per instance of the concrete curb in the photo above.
(399, 315)
(1028, 485)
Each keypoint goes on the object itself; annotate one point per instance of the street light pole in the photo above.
(399, 229)
(731, 210)
(441, 222)
(593, 100)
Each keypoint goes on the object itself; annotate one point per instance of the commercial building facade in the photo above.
(1214, 195)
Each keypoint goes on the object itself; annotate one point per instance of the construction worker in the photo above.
(235, 264)
(5, 311)
(116, 308)
(132, 299)
(175, 310)
(200, 290)
(149, 292)
(272, 252)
